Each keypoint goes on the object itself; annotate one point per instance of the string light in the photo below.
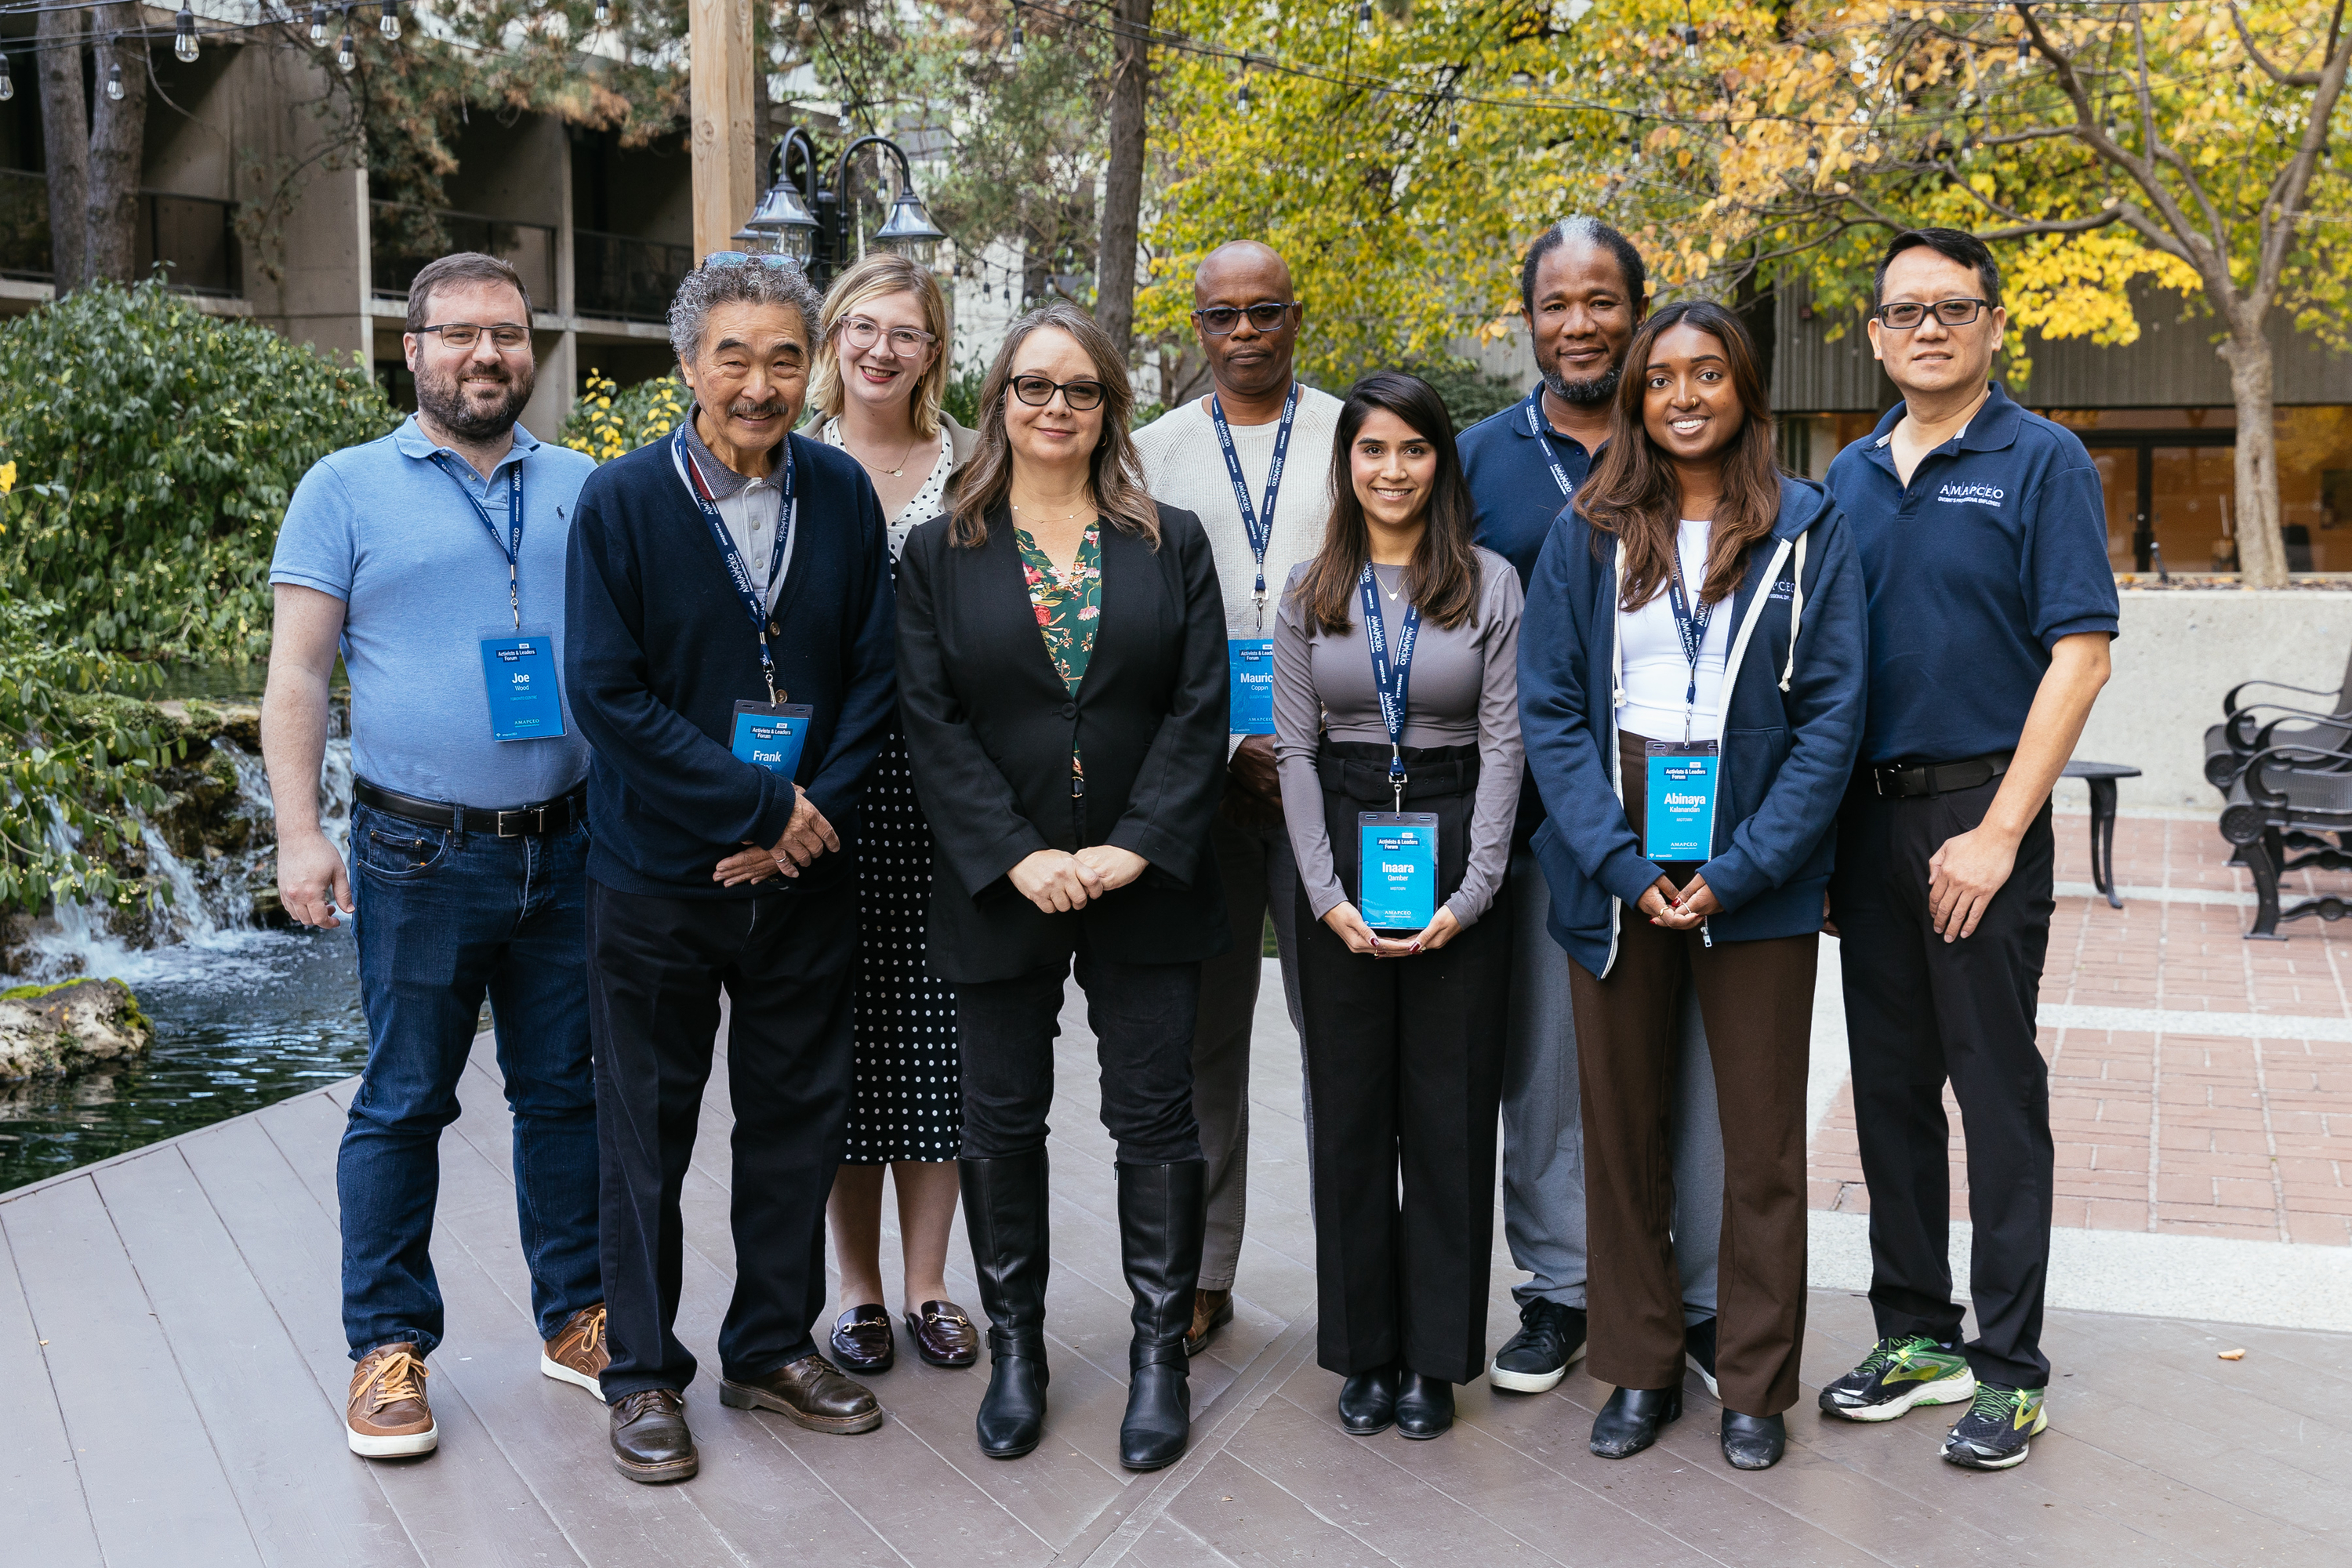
(183, 36)
(1689, 35)
(1364, 15)
(318, 26)
(7, 88)
(114, 80)
(603, 13)
(2024, 51)
(1454, 133)
(1012, 40)
(1242, 97)
(346, 54)
(388, 24)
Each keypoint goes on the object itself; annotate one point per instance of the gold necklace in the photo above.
(1041, 518)
(903, 457)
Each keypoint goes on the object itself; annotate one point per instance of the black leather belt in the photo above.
(1940, 778)
(513, 822)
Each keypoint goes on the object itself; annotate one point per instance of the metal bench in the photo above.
(2257, 726)
(2290, 797)
(2101, 778)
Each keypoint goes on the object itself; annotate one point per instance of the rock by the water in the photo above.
(47, 1030)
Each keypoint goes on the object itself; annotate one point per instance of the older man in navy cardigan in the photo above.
(731, 563)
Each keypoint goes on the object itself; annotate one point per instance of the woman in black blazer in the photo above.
(1061, 683)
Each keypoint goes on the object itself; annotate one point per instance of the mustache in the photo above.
(744, 408)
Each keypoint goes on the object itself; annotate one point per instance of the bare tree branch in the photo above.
(2284, 79)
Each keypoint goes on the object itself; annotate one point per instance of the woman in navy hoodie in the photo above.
(1691, 677)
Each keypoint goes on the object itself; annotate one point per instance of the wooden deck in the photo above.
(172, 1373)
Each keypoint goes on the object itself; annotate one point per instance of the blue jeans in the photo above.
(445, 918)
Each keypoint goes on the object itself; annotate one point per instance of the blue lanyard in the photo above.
(510, 546)
(1692, 628)
(1540, 428)
(745, 589)
(1259, 528)
(1389, 680)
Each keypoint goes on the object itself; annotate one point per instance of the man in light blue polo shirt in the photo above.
(432, 559)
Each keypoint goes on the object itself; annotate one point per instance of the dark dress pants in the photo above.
(1920, 1010)
(657, 966)
(1404, 1068)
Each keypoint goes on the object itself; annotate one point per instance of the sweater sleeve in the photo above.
(1174, 801)
(1494, 808)
(1297, 742)
(662, 756)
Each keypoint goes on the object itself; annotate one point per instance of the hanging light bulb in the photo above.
(1242, 97)
(388, 23)
(114, 84)
(2024, 51)
(346, 54)
(806, 10)
(317, 27)
(1454, 133)
(1690, 42)
(7, 88)
(183, 36)
(1364, 15)
(603, 13)
(1012, 40)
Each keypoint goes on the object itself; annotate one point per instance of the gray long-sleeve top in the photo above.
(1464, 691)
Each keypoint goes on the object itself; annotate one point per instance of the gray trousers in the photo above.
(1259, 875)
(1543, 1124)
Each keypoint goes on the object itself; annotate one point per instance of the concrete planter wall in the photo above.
(2180, 652)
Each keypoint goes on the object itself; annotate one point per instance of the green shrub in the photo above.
(606, 421)
(155, 450)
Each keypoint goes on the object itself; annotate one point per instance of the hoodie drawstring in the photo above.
(1796, 611)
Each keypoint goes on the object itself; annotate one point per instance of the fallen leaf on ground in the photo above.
(2232, 1355)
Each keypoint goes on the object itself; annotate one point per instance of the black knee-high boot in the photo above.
(1004, 1209)
(1161, 1220)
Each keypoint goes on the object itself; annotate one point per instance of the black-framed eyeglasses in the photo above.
(860, 332)
(1037, 391)
(1909, 313)
(1266, 316)
(507, 336)
(748, 258)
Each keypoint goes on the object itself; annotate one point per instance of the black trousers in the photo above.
(657, 966)
(1920, 1010)
(1141, 1015)
(1405, 1068)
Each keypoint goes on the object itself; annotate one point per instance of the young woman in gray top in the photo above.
(1412, 710)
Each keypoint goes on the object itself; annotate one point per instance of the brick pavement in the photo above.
(2242, 1130)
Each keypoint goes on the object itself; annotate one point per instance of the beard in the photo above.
(444, 397)
(1586, 394)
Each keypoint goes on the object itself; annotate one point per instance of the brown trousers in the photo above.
(1757, 998)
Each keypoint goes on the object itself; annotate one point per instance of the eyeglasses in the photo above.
(1266, 316)
(859, 333)
(1908, 314)
(505, 336)
(1037, 391)
(748, 258)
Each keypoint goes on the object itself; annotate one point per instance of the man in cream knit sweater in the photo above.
(1253, 460)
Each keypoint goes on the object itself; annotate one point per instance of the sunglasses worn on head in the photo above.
(1908, 314)
(747, 259)
(1266, 316)
(1037, 391)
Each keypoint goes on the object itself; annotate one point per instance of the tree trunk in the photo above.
(2261, 552)
(1131, 83)
(118, 135)
(65, 137)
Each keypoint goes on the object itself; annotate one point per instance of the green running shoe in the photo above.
(1996, 1432)
(1898, 1375)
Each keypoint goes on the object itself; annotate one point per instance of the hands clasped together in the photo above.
(1681, 909)
(1057, 881)
(807, 836)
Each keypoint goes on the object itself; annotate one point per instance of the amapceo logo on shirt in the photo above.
(1971, 495)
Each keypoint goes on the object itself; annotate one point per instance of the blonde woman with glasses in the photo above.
(881, 366)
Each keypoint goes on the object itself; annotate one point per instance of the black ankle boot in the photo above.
(1424, 1405)
(1004, 1209)
(1368, 1402)
(1161, 1217)
(1629, 1423)
(1753, 1442)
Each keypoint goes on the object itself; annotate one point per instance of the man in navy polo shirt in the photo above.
(1582, 291)
(1984, 550)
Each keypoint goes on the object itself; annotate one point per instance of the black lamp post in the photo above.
(816, 225)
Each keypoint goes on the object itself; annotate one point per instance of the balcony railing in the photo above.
(403, 239)
(622, 279)
(192, 239)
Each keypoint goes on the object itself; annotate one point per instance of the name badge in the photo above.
(1680, 804)
(1249, 688)
(518, 673)
(770, 735)
(1397, 866)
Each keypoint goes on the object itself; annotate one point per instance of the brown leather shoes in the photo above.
(810, 1391)
(862, 1340)
(650, 1441)
(943, 1335)
(387, 1416)
(577, 1355)
(1212, 1310)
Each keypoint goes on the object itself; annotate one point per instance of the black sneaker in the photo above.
(1550, 1339)
(1997, 1432)
(1698, 1350)
(1897, 1375)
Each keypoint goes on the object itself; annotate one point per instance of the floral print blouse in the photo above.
(1068, 610)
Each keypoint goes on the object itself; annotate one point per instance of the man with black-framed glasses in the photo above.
(1251, 459)
(1984, 553)
(432, 559)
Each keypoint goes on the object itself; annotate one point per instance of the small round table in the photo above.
(2101, 778)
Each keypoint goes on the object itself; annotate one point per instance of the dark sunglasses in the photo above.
(1266, 316)
(1037, 391)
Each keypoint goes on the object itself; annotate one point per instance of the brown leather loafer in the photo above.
(862, 1340)
(650, 1442)
(943, 1335)
(1212, 1310)
(810, 1391)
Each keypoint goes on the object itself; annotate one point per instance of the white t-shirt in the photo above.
(1657, 673)
(1183, 468)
